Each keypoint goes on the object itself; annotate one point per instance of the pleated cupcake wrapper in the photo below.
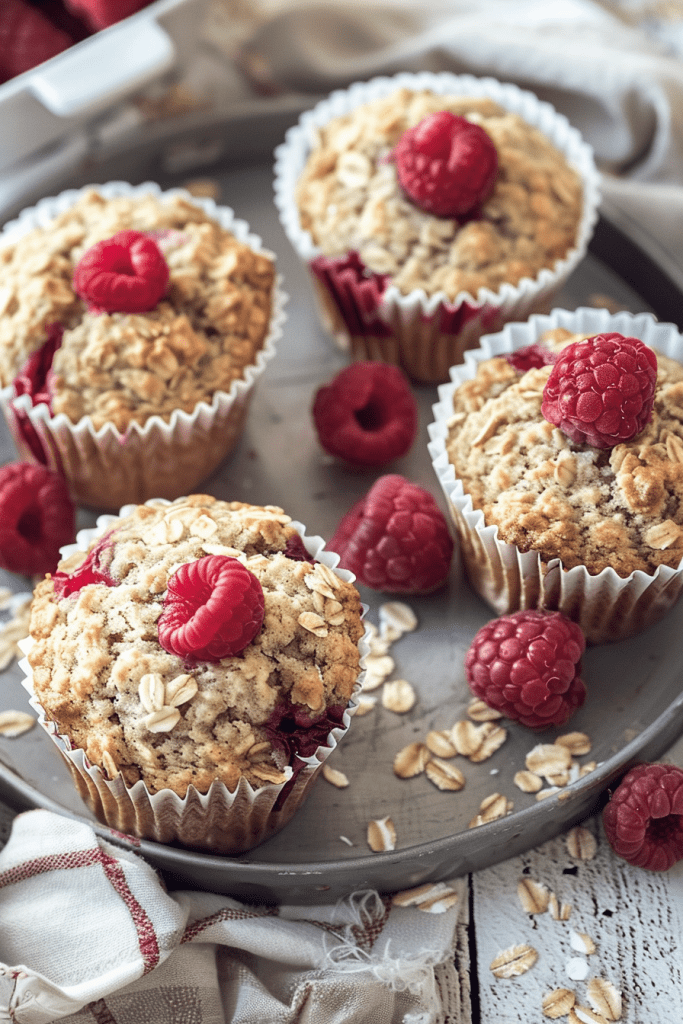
(219, 821)
(607, 606)
(424, 334)
(105, 468)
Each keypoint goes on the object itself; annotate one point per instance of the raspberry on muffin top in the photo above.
(350, 199)
(137, 709)
(598, 507)
(122, 367)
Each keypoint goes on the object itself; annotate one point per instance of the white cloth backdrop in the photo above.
(87, 932)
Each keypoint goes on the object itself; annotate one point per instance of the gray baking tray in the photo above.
(634, 710)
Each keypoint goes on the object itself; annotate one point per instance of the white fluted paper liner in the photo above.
(607, 606)
(218, 821)
(415, 339)
(105, 468)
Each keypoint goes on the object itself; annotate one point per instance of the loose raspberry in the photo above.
(446, 164)
(126, 273)
(601, 390)
(367, 414)
(526, 665)
(395, 539)
(27, 38)
(214, 607)
(37, 518)
(102, 13)
(531, 357)
(644, 819)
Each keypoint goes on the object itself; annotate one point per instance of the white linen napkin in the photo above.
(89, 933)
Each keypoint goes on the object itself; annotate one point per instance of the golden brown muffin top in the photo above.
(619, 507)
(97, 659)
(349, 198)
(125, 367)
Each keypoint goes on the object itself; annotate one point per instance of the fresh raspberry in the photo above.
(126, 273)
(601, 390)
(296, 550)
(367, 414)
(644, 818)
(27, 38)
(446, 164)
(531, 357)
(214, 607)
(37, 518)
(526, 665)
(94, 569)
(102, 13)
(395, 539)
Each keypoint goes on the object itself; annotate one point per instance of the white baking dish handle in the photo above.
(122, 59)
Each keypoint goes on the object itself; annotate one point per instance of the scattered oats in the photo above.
(433, 897)
(365, 705)
(477, 742)
(604, 998)
(582, 1015)
(481, 712)
(334, 776)
(494, 771)
(313, 623)
(582, 943)
(179, 690)
(533, 896)
(558, 911)
(109, 765)
(581, 844)
(15, 723)
(577, 743)
(411, 760)
(151, 692)
(528, 782)
(372, 681)
(548, 759)
(577, 968)
(514, 961)
(587, 768)
(346, 840)
(491, 808)
(444, 775)
(387, 636)
(558, 1003)
(550, 791)
(5, 597)
(6, 654)
(163, 720)
(381, 835)
(439, 743)
(398, 696)
(398, 616)
(379, 665)
(561, 779)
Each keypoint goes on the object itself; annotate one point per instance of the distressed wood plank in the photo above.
(634, 917)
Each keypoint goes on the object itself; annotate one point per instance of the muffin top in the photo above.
(619, 507)
(98, 665)
(349, 199)
(125, 367)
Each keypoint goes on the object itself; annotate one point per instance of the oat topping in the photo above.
(124, 367)
(595, 507)
(135, 708)
(350, 200)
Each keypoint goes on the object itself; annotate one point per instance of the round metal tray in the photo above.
(634, 709)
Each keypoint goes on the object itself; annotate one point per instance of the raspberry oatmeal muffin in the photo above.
(432, 208)
(195, 663)
(550, 516)
(134, 326)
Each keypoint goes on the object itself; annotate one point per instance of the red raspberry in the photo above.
(367, 414)
(531, 357)
(94, 569)
(37, 518)
(526, 665)
(395, 539)
(644, 819)
(601, 390)
(102, 13)
(27, 38)
(126, 273)
(213, 608)
(296, 550)
(446, 164)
